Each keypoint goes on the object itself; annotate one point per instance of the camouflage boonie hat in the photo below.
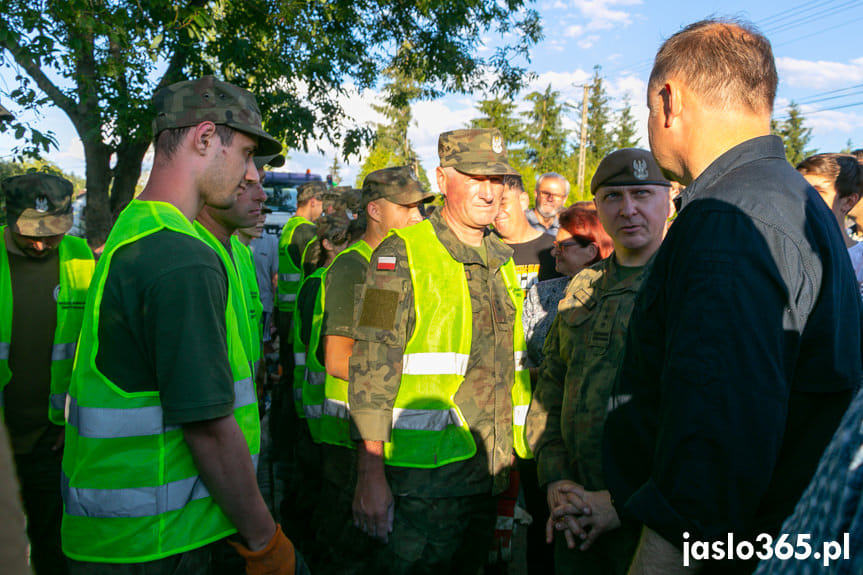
(628, 167)
(191, 102)
(397, 185)
(474, 152)
(309, 190)
(38, 204)
(272, 160)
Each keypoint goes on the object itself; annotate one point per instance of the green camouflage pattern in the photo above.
(582, 352)
(272, 160)
(38, 204)
(309, 190)
(190, 102)
(397, 185)
(475, 152)
(382, 326)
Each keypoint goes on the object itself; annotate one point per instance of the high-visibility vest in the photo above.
(309, 375)
(290, 274)
(246, 268)
(76, 270)
(335, 416)
(131, 490)
(236, 289)
(428, 428)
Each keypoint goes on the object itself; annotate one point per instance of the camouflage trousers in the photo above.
(611, 554)
(430, 535)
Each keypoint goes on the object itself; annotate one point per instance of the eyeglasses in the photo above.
(551, 196)
(567, 244)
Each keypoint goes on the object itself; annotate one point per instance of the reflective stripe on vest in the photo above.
(108, 423)
(136, 502)
(300, 354)
(334, 423)
(434, 363)
(289, 273)
(76, 270)
(435, 360)
(131, 487)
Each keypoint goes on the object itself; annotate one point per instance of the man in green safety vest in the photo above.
(44, 276)
(391, 199)
(438, 388)
(163, 427)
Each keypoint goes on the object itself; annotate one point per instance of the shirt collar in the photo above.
(497, 252)
(748, 151)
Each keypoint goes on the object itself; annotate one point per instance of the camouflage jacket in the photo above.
(382, 326)
(581, 355)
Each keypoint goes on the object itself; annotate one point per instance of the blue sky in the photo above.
(816, 45)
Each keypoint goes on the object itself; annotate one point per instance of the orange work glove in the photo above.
(277, 558)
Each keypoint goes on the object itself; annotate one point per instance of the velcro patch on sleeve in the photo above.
(386, 263)
(379, 309)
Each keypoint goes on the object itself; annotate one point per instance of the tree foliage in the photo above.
(624, 129)
(392, 147)
(544, 134)
(795, 135)
(101, 61)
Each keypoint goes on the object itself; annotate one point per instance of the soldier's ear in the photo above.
(203, 135)
(441, 178)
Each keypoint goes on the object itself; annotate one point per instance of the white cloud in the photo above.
(573, 31)
(602, 14)
(819, 74)
(588, 42)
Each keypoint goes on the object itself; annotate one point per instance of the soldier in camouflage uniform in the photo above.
(582, 353)
(433, 505)
(391, 198)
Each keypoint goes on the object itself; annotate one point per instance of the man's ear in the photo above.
(848, 202)
(203, 135)
(441, 177)
(373, 210)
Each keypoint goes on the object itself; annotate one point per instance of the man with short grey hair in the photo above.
(551, 192)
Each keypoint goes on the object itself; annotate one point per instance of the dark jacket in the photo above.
(743, 350)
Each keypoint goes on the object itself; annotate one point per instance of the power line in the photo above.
(808, 19)
(791, 12)
(816, 33)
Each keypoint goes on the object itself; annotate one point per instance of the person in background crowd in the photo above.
(163, 425)
(744, 344)
(44, 276)
(437, 385)
(550, 195)
(391, 200)
(583, 351)
(531, 248)
(332, 237)
(837, 179)
(581, 242)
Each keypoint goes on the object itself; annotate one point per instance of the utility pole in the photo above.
(582, 147)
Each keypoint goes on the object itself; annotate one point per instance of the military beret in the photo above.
(479, 152)
(627, 167)
(190, 102)
(38, 204)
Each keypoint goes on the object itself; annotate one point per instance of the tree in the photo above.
(101, 61)
(335, 171)
(544, 132)
(624, 131)
(392, 147)
(600, 136)
(794, 135)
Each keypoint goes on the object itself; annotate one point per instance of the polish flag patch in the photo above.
(387, 263)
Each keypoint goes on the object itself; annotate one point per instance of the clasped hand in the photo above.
(579, 513)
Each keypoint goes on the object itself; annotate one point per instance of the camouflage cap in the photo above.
(309, 190)
(272, 160)
(191, 102)
(474, 152)
(397, 185)
(627, 167)
(38, 204)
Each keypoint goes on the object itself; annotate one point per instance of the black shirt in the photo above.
(742, 352)
(533, 261)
